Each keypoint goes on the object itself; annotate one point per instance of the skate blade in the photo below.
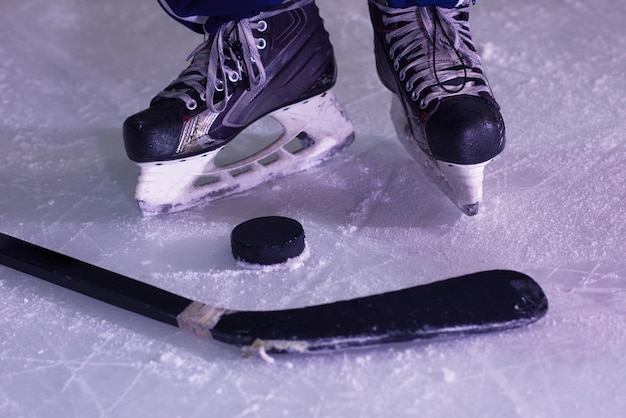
(314, 130)
(462, 184)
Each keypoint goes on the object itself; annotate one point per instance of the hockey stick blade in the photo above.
(474, 303)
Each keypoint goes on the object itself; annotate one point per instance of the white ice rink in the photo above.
(71, 71)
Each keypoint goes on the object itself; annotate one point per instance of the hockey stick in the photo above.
(474, 303)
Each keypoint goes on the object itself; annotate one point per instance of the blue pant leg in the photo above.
(205, 15)
(408, 3)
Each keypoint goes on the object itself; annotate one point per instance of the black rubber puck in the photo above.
(267, 240)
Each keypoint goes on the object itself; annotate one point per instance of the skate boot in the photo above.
(443, 109)
(279, 63)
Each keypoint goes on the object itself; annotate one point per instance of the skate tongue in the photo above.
(444, 55)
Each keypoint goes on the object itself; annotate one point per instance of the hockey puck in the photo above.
(267, 240)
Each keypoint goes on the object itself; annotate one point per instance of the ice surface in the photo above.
(71, 71)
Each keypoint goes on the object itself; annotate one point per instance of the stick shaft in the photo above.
(90, 280)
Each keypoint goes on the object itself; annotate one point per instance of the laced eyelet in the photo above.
(233, 77)
(191, 105)
(262, 26)
(401, 75)
(261, 43)
(396, 65)
(203, 96)
(408, 86)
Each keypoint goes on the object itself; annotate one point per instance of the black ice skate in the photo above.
(443, 108)
(280, 64)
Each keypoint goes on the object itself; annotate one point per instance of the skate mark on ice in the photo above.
(75, 367)
(363, 211)
(126, 393)
(592, 280)
(377, 191)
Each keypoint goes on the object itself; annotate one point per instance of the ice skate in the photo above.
(280, 64)
(443, 108)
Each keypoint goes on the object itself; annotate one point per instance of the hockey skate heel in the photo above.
(318, 126)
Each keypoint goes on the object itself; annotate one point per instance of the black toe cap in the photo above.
(153, 133)
(465, 130)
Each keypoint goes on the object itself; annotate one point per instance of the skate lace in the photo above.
(229, 57)
(453, 67)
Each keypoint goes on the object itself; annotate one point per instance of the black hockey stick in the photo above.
(474, 303)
